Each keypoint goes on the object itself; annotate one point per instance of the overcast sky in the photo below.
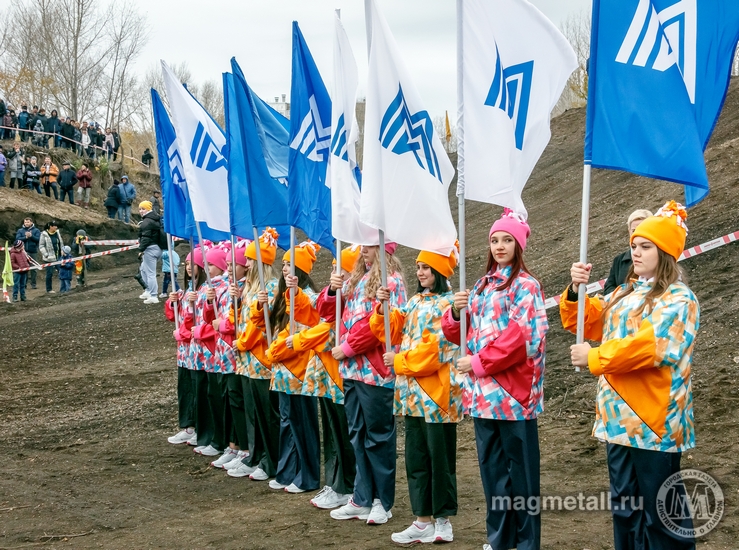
(258, 33)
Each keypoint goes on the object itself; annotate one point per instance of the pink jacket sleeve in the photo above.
(326, 306)
(360, 339)
(507, 351)
(451, 327)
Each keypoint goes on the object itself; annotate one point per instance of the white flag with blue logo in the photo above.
(406, 172)
(344, 176)
(515, 64)
(202, 142)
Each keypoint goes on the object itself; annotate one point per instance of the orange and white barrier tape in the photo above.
(689, 253)
(85, 257)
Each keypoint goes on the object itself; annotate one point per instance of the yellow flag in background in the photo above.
(448, 129)
(7, 273)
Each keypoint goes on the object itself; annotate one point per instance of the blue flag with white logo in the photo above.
(659, 73)
(264, 143)
(309, 198)
(174, 190)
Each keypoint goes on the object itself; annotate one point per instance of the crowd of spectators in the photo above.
(84, 138)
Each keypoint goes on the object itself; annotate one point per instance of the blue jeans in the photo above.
(124, 213)
(167, 279)
(50, 277)
(65, 285)
(48, 187)
(66, 192)
(19, 284)
(2, 178)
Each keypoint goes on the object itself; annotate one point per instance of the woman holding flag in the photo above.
(428, 394)
(506, 340)
(368, 383)
(261, 405)
(644, 407)
(299, 469)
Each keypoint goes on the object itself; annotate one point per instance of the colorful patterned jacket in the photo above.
(251, 359)
(194, 317)
(225, 354)
(363, 350)
(183, 333)
(426, 383)
(202, 331)
(506, 340)
(645, 396)
(322, 377)
(289, 365)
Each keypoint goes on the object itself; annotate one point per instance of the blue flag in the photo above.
(659, 72)
(174, 190)
(309, 198)
(264, 148)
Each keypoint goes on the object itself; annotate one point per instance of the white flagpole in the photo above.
(460, 178)
(202, 252)
(292, 274)
(262, 285)
(338, 291)
(232, 277)
(171, 273)
(582, 291)
(381, 252)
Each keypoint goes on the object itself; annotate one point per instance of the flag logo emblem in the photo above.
(402, 132)
(204, 153)
(338, 143)
(313, 139)
(175, 165)
(660, 40)
(511, 93)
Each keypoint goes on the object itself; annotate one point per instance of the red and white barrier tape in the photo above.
(689, 253)
(87, 256)
(112, 242)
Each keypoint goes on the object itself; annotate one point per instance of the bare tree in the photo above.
(576, 29)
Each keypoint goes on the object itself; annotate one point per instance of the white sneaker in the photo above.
(181, 437)
(193, 441)
(236, 460)
(351, 511)
(259, 475)
(378, 515)
(162, 295)
(242, 470)
(151, 300)
(228, 455)
(443, 530)
(144, 295)
(208, 450)
(487, 547)
(328, 499)
(276, 485)
(294, 489)
(415, 533)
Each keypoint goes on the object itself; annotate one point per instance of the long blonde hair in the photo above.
(252, 286)
(375, 275)
(668, 273)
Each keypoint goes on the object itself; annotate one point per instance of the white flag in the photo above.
(406, 173)
(201, 143)
(515, 64)
(343, 170)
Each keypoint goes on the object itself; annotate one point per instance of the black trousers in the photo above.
(431, 467)
(508, 453)
(204, 425)
(264, 448)
(369, 415)
(300, 451)
(229, 433)
(215, 403)
(636, 476)
(242, 430)
(339, 463)
(185, 398)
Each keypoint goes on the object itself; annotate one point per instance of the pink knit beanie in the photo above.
(217, 256)
(512, 223)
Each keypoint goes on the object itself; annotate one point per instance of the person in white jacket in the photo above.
(50, 246)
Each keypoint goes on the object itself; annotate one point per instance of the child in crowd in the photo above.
(644, 408)
(19, 260)
(170, 269)
(177, 305)
(66, 269)
(506, 342)
(428, 394)
(369, 385)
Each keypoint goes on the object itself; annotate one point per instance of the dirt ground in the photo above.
(88, 395)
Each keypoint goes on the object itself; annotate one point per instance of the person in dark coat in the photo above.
(32, 176)
(54, 126)
(68, 134)
(67, 179)
(24, 122)
(113, 200)
(147, 157)
(30, 235)
(150, 250)
(116, 143)
(18, 260)
(622, 262)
